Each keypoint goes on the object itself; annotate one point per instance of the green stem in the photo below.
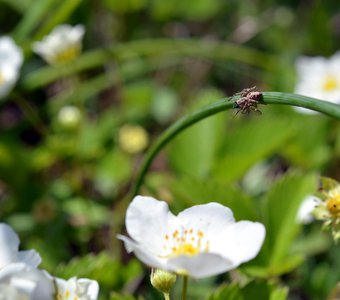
(184, 287)
(324, 107)
(159, 48)
(166, 296)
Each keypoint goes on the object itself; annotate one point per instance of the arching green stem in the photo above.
(324, 107)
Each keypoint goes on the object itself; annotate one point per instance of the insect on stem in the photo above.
(249, 100)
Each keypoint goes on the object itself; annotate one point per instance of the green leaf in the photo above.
(19, 5)
(308, 147)
(227, 292)
(107, 270)
(59, 15)
(280, 208)
(248, 143)
(190, 191)
(193, 152)
(32, 18)
(253, 290)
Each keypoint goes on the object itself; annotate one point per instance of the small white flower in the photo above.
(11, 59)
(62, 45)
(201, 241)
(19, 281)
(80, 289)
(319, 77)
(9, 253)
(304, 215)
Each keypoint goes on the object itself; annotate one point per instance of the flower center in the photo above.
(65, 296)
(185, 242)
(67, 54)
(330, 83)
(333, 205)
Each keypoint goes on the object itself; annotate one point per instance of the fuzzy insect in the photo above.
(248, 100)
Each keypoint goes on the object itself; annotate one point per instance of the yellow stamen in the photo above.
(331, 83)
(186, 242)
(333, 202)
(67, 55)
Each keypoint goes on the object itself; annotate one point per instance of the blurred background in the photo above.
(73, 135)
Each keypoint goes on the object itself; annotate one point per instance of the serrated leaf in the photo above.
(280, 208)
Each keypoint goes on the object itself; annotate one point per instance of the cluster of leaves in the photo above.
(63, 188)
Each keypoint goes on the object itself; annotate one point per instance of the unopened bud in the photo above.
(162, 280)
(69, 117)
(133, 138)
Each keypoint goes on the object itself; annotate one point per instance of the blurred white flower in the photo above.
(318, 77)
(11, 59)
(19, 281)
(305, 212)
(9, 253)
(62, 45)
(201, 241)
(69, 116)
(80, 289)
(133, 138)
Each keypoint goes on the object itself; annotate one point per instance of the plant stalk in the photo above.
(184, 287)
(327, 108)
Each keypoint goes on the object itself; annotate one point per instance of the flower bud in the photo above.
(162, 280)
(132, 138)
(69, 117)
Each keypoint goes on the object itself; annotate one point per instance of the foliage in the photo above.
(64, 186)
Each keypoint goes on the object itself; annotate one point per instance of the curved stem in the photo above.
(175, 129)
(327, 108)
(185, 287)
(324, 107)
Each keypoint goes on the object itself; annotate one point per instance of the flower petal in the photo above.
(9, 242)
(199, 266)
(304, 214)
(147, 222)
(30, 257)
(91, 287)
(239, 242)
(142, 253)
(209, 218)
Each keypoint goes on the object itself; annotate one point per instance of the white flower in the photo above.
(62, 45)
(304, 215)
(11, 59)
(9, 253)
(319, 77)
(201, 241)
(19, 281)
(80, 289)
